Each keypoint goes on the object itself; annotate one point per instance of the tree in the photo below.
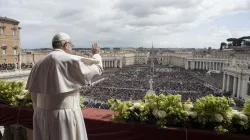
(222, 45)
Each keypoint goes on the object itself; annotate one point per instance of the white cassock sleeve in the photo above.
(85, 69)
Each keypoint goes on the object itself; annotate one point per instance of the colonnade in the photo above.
(237, 85)
(205, 65)
(112, 63)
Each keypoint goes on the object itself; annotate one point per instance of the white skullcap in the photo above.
(60, 37)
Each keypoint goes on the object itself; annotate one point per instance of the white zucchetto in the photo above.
(60, 37)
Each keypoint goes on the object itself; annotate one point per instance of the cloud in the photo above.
(122, 23)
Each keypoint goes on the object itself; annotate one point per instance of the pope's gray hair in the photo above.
(58, 44)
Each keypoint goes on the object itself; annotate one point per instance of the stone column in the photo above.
(239, 88)
(115, 63)
(244, 89)
(235, 86)
(120, 63)
(193, 65)
(111, 62)
(20, 61)
(224, 82)
(228, 82)
(186, 65)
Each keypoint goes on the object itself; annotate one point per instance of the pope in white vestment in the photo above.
(54, 83)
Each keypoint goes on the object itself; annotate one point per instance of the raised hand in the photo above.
(95, 48)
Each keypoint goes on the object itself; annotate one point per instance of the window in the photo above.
(4, 52)
(14, 33)
(15, 52)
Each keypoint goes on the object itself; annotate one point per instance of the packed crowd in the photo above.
(132, 83)
(13, 66)
(215, 79)
(9, 66)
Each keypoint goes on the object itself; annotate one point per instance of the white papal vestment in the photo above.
(54, 82)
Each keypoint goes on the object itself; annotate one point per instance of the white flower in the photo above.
(241, 123)
(137, 105)
(155, 112)
(188, 106)
(192, 114)
(235, 111)
(229, 115)
(218, 118)
(162, 114)
(132, 108)
(243, 117)
(19, 96)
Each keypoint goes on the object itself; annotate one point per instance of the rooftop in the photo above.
(9, 20)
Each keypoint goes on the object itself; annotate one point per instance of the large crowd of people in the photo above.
(132, 83)
(8, 66)
(13, 66)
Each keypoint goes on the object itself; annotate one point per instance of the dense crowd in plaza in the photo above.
(132, 83)
(214, 79)
(8, 66)
(13, 66)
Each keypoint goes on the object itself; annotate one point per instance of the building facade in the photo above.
(236, 80)
(9, 40)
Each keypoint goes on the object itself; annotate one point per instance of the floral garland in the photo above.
(209, 112)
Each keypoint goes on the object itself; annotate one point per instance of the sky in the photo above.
(130, 23)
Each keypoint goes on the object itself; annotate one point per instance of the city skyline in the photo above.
(172, 23)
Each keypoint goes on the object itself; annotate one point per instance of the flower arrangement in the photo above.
(13, 93)
(209, 113)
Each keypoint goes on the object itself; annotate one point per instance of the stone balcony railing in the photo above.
(11, 73)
